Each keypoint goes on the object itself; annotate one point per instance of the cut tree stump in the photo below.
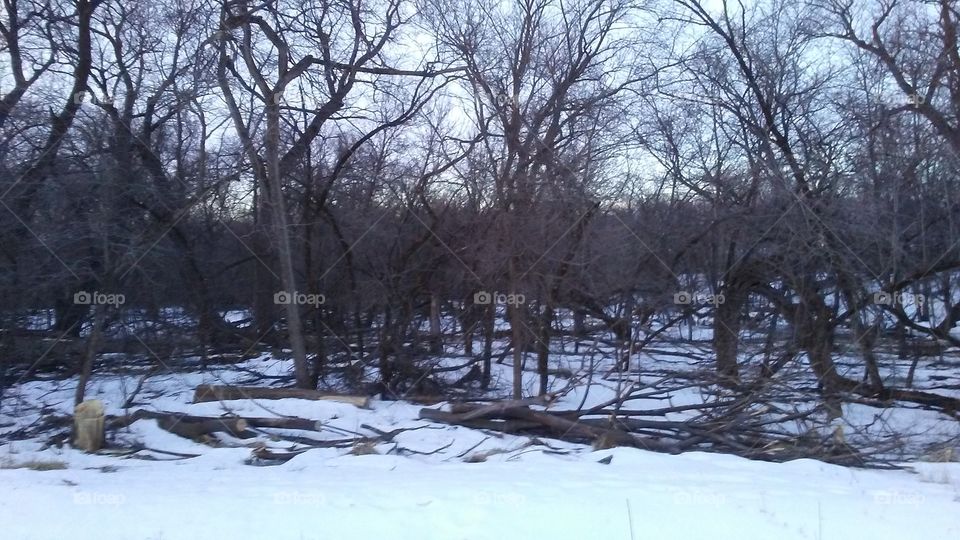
(88, 425)
(207, 392)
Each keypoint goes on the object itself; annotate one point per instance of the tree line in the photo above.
(347, 175)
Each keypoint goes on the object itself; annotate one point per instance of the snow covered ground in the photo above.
(327, 494)
(439, 482)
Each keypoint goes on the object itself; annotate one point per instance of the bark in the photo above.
(436, 338)
(184, 425)
(90, 355)
(284, 251)
(578, 329)
(488, 330)
(543, 348)
(726, 333)
(515, 416)
(516, 328)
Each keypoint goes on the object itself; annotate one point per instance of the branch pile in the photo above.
(732, 426)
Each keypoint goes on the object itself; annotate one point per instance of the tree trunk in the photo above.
(90, 356)
(726, 333)
(489, 325)
(265, 279)
(436, 338)
(517, 330)
(284, 251)
(543, 347)
(578, 329)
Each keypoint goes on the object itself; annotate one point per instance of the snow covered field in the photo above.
(434, 481)
(325, 494)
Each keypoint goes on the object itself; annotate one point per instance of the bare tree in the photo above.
(544, 77)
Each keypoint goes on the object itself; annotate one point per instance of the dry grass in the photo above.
(364, 449)
(946, 454)
(34, 465)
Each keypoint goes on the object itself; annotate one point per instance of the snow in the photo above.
(326, 494)
(444, 482)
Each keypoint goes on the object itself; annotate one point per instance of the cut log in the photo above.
(513, 416)
(194, 430)
(190, 427)
(469, 411)
(504, 426)
(269, 455)
(229, 424)
(206, 392)
(602, 437)
(286, 423)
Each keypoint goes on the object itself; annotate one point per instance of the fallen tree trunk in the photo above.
(266, 454)
(737, 431)
(515, 416)
(945, 404)
(469, 411)
(191, 427)
(504, 426)
(185, 425)
(206, 392)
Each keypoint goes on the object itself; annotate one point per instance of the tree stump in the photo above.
(88, 425)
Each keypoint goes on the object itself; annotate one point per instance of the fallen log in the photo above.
(469, 411)
(601, 436)
(286, 423)
(269, 455)
(945, 404)
(517, 417)
(207, 392)
(568, 428)
(503, 426)
(665, 410)
(230, 424)
(194, 427)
